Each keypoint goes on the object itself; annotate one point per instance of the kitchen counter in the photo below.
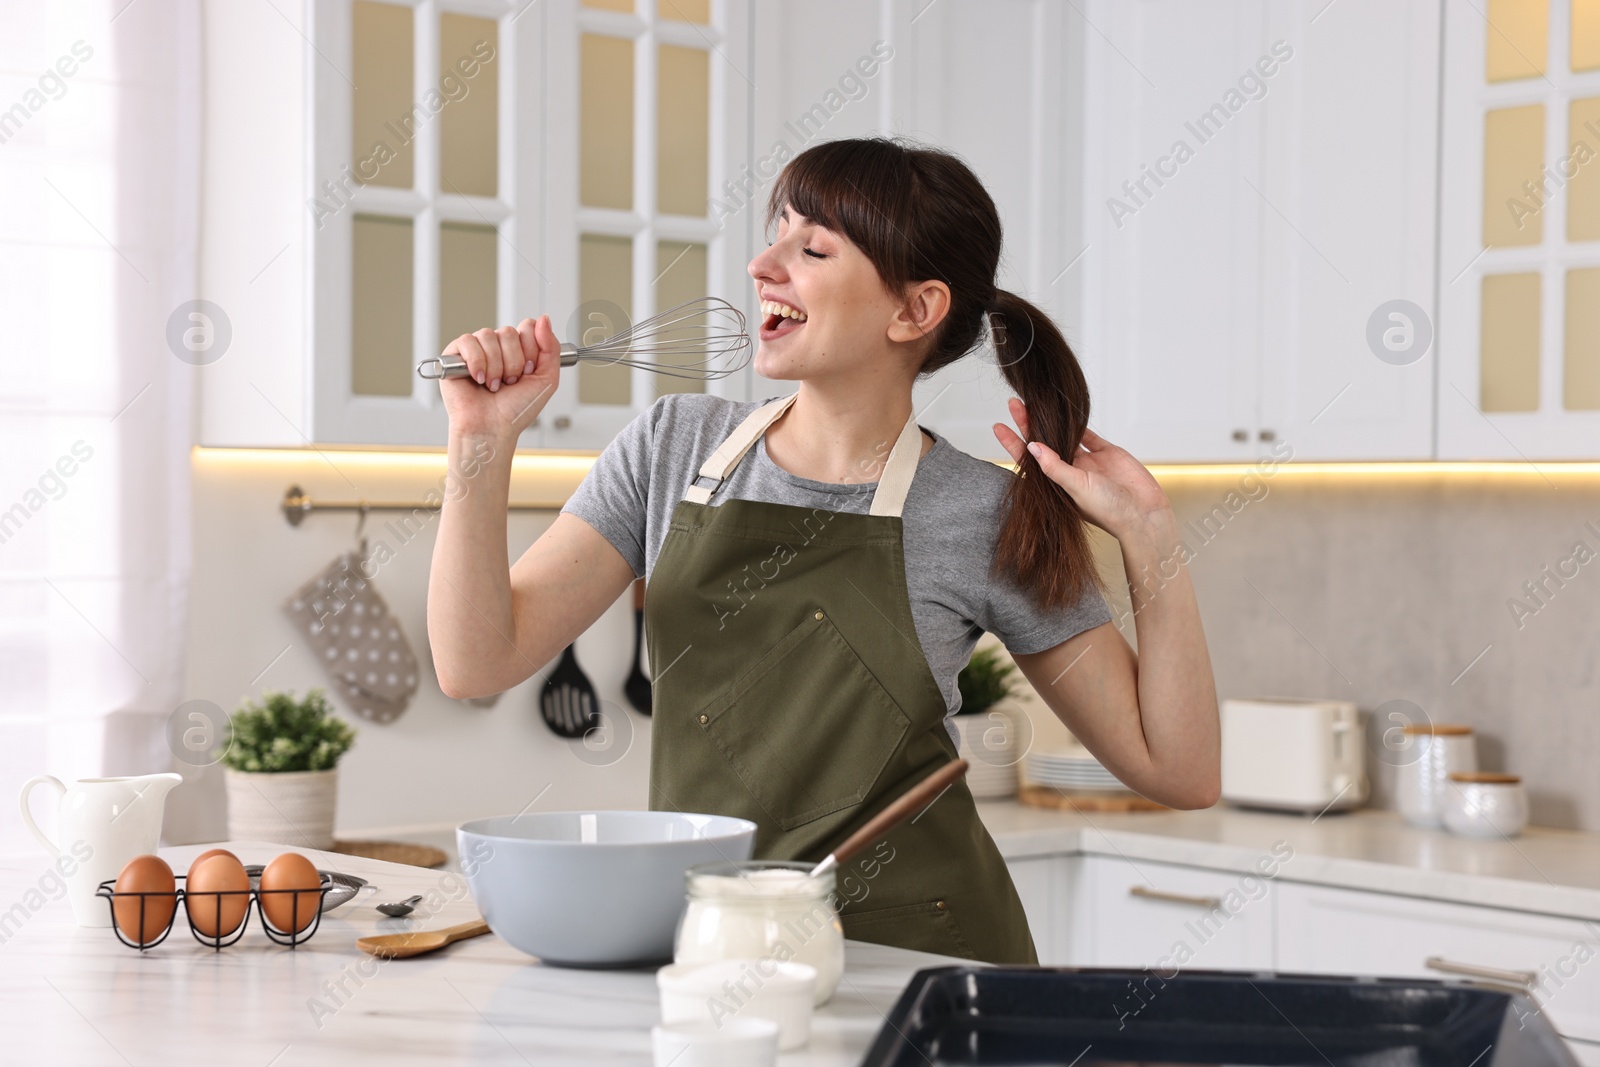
(1555, 872)
(78, 996)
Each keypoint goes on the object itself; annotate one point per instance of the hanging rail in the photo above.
(297, 504)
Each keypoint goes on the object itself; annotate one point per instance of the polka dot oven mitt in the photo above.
(356, 639)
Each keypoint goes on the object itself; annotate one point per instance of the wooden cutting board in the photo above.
(1044, 796)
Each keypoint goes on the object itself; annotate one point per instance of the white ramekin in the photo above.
(736, 1043)
(721, 991)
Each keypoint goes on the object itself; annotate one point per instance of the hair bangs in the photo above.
(861, 189)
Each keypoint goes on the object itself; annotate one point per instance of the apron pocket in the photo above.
(809, 728)
(928, 927)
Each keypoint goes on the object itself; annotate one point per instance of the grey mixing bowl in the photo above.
(592, 888)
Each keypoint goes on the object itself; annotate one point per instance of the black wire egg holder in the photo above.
(181, 896)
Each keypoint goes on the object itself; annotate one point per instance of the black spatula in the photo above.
(637, 687)
(567, 701)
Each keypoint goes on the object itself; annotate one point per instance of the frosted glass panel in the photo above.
(681, 275)
(1508, 357)
(605, 272)
(1586, 34)
(469, 82)
(466, 280)
(1583, 189)
(1513, 153)
(683, 117)
(611, 5)
(382, 128)
(381, 360)
(685, 10)
(605, 135)
(1581, 391)
(1516, 38)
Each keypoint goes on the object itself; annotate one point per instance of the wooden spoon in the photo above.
(399, 946)
(908, 804)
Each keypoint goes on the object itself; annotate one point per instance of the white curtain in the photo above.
(99, 181)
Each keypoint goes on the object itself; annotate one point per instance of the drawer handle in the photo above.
(1175, 898)
(1474, 970)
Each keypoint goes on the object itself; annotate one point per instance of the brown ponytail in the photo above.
(920, 214)
(1043, 541)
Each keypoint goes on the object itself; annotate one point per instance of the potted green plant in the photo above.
(992, 743)
(282, 770)
(984, 681)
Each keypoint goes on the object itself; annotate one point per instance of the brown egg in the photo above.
(290, 913)
(149, 875)
(207, 855)
(216, 894)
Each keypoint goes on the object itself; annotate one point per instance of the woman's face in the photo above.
(847, 322)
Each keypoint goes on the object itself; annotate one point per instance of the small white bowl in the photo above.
(721, 992)
(736, 1043)
(1484, 804)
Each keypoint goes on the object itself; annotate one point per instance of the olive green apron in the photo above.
(790, 690)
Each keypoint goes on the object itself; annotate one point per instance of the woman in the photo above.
(819, 567)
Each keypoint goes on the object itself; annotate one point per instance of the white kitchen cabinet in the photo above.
(480, 211)
(1033, 879)
(1050, 888)
(1346, 931)
(1249, 202)
(1519, 369)
(1165, 916)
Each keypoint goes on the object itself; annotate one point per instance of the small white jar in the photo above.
(763, 909)
(1420, 785)
(1484, 804)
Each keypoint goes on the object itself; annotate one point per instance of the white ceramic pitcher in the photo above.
(102, 823)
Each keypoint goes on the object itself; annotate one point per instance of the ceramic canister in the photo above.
(1481, 804)
(1438, 750)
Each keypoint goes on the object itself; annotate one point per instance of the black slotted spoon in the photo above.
(637, 686)
(567, 702)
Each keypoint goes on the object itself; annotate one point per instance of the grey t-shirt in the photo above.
(950, 522)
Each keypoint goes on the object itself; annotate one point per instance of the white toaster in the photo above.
(1293, 755)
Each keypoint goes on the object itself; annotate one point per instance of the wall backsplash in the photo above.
(1366, 587)
(443, 761)
(1403, 587)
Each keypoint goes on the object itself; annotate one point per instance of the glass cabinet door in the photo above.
(1520, 285)
(654, 126)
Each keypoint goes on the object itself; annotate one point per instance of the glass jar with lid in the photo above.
(763, 909)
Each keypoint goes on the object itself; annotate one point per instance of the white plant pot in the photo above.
(992, 746)
(289, 808)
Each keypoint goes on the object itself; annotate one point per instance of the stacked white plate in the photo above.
(1071, 768)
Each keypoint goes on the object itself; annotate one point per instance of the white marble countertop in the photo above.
(78, 996)
(1555, 872)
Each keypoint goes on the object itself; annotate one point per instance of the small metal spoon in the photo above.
(402, 909)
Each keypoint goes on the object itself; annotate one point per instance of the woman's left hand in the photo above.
(1112, 489)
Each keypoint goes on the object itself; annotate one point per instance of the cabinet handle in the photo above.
(1241, 435)
(1175, 898)
(1474, 970)
(1267, 435)
(563, 421)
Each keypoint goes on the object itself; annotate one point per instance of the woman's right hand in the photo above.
(514, 371)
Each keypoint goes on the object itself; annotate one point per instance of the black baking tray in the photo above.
(1082, 1016)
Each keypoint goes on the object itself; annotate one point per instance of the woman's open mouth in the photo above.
(779, 320)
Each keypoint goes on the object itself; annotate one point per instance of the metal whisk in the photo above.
(708, 328)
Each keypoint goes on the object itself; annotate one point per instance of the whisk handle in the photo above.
(452, 366)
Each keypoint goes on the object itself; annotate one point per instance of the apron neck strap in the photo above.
(893, 484)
